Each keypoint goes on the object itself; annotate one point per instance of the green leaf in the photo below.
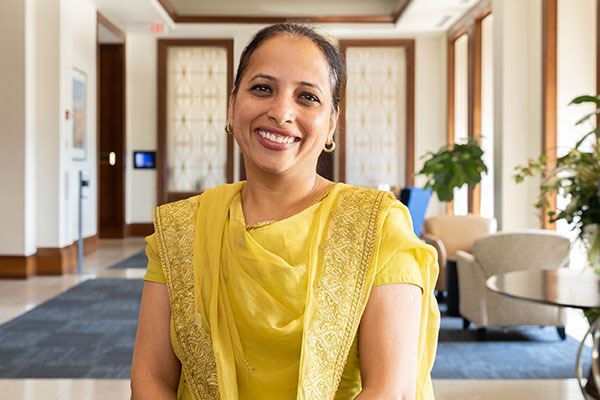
(586, 99)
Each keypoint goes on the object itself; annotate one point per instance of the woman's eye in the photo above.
(310, 97)
(261, 88)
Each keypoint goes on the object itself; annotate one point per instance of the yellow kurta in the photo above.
(263, 284)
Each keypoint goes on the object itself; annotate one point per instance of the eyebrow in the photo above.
(272, 78)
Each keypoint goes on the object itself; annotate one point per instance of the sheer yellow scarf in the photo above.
(206, 253)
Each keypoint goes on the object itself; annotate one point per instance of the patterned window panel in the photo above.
(196, 114)
(376, 116)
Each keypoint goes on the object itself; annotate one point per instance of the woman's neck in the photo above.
(272, 198)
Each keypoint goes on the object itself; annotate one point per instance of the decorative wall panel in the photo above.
(376, 116)
(196, 114)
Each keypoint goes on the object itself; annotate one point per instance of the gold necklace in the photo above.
(269, 222)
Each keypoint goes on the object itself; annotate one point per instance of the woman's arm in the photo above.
(387, 342)
(155, 368)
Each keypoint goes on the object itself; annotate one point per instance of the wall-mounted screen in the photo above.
(144, 159)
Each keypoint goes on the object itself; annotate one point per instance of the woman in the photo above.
(271, 288)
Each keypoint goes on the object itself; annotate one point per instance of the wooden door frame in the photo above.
(102, 20)
(471, 25)
(409, 47)
(161, 151)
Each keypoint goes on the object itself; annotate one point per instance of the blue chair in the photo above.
(417, 200)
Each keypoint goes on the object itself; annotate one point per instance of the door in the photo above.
(111, 140)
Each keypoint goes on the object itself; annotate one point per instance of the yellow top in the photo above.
(265, 274)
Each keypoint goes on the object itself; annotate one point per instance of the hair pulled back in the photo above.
(337, 67)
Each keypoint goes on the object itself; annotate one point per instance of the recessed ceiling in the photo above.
(419, 17)
(289, 8)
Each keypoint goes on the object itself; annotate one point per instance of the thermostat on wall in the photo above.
(144, 159)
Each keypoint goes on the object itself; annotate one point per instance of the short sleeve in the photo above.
(154, 272)
(397, 261)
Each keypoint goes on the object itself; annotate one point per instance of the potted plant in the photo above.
(576, 176)
(453, 166)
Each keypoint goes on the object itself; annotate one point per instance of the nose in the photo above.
(282, 110)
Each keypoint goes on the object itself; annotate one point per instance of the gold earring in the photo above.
(330, 148)
(228, 129)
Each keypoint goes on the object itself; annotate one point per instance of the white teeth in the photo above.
(274, 138)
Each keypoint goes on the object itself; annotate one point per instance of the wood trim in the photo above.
(409, 46)
(90, 244)
(57, 260)
(161, 151)
(169, 8)
(399, 9)
(230, 154)
(140, 229)
(549, 93)
(63, 260)
(97, 121)
(391, 18)
(341, 130)
(161, 123)
(410, 114)
(470, 25)
(450, 104)
(475, 34)
(478, 12)
(17, 267)
(101, 19)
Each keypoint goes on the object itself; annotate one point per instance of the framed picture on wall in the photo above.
(79, 114)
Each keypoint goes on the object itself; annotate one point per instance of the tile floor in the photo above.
(18, 296)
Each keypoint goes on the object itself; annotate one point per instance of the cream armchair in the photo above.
(450, 233)
(500, 253)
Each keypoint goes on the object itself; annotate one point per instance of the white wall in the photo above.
(81, 40)
(48, 148)
(30, 126)
(17, 236)
(487, 115)
(576, 75)
(430, 92)
(576, 68)
(141, 129)
(430, 105)
(66, 40)
(517, 108)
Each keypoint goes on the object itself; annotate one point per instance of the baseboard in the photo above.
(140, 229)
(90, 244)
(57, 260)
(63, 260)
(17, 267)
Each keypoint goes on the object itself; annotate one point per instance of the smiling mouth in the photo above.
(275, 138)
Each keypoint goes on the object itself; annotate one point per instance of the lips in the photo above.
(275, 138)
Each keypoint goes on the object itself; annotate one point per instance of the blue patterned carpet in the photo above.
(86, 332)
(89, 331)
(138, 260)
(517, 353)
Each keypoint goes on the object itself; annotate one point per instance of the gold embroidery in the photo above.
(341, 291)
(175, 225)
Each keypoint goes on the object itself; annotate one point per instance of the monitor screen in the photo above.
(144, 159)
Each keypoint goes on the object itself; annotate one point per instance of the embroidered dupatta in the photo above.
(341, 269)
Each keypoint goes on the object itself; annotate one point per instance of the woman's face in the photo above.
(282, 114)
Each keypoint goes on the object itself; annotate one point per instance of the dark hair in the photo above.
(337, 66)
